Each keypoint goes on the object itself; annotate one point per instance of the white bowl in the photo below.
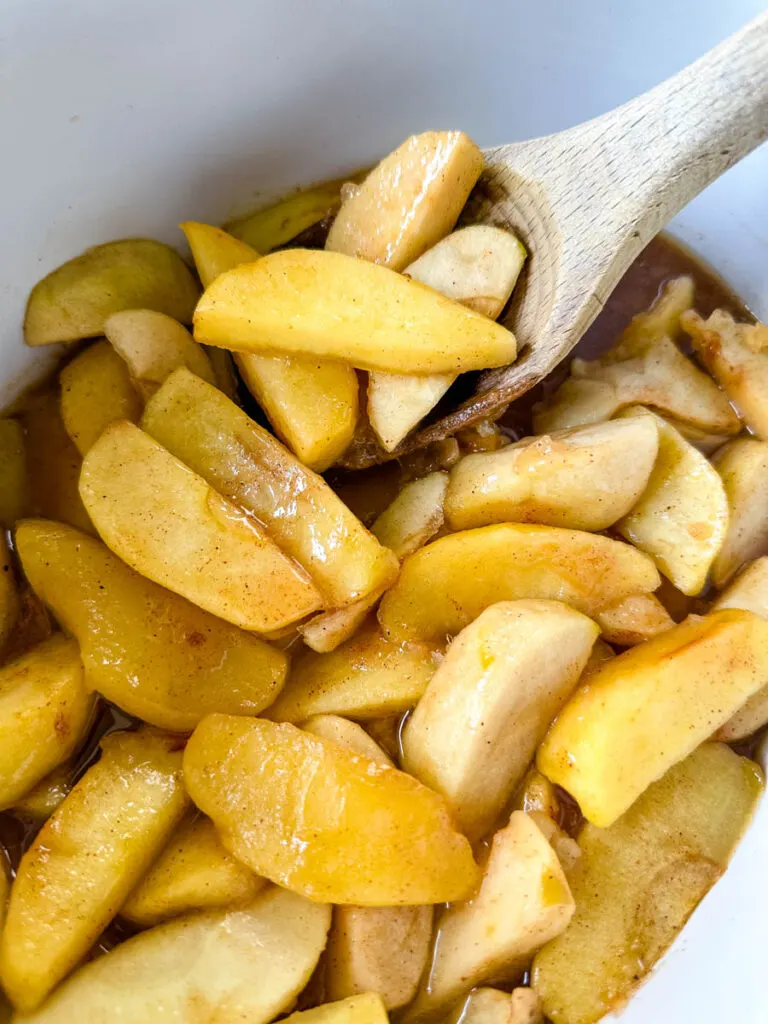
(123, 118)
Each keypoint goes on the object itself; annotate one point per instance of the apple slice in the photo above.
(743, 467)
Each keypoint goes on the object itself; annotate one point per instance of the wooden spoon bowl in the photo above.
(586, 201)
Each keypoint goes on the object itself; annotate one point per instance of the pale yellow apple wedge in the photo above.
(167, 523)
(45, 712)
(224, 965)
(86, 859)
(743, 467)
(96, 390)
(305, 302)
(74, 300)
(147, 650)
(637, 882)
(523, 902)
(488, 706)
(650, 707)
(294, 807)
(245, 463)
(362, 1009)
(414, 517)
(445, 585)
(409, 201)
(193, 872)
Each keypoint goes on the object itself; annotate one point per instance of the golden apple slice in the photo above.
(362, 1009)
(749, 591)
(293, 808)
(53, 463)
(645, 367)
(378, 949)
(246, 464)
(154, 345)
(193, 872)
(367, 677)
(580, 478)
(737, 357)
(311, 403)
(40, 802)
(306, 302)
(489, 705)
(218, 966)
(74, 300)
(634, 620)
(278, 223)
(347, 734)
(523, 902)
(14, 491)
(477, 266)
(96, 390)
(743, 466)
(492, 1006)
(328, 630)
(447, 584)
(152, 653)
(86, 859)
(409, 201)
(637, 882)
(45, 711)
(168, 524)
(681, 520)
(414, 517)
(650, 707)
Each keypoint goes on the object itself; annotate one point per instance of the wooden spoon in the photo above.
(586, 201)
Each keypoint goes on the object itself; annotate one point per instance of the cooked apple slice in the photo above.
(414, 517)
(276, 224)
(311, 403)
(193, 872)
(580, 479)
(492, 1006)
(362, 1009)
(86, 859)
(378, 949)
(650, 707)
(9, 599)
(14, 491)
(246, 464)
(347, 734)
(477, 266)
(41, 801)
(409, 201)
(681, 520)
(523, 902)
(489, 705)
(96, 390)
(154, 345)
(365, 678)
(645, 367)
(222, 965)
(74, 300)
(309, 302)
(637, 882)
(53, 463)
(302, 804)
(749, 591)
(743, 466)
(45, 710)
(737, 357)
(328, 630)
(447, 584)
(167, 523)
(152, 653)
(634, 620)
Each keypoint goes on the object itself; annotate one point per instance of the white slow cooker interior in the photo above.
(124, 118)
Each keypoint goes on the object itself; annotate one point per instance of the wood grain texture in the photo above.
(587, 200)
